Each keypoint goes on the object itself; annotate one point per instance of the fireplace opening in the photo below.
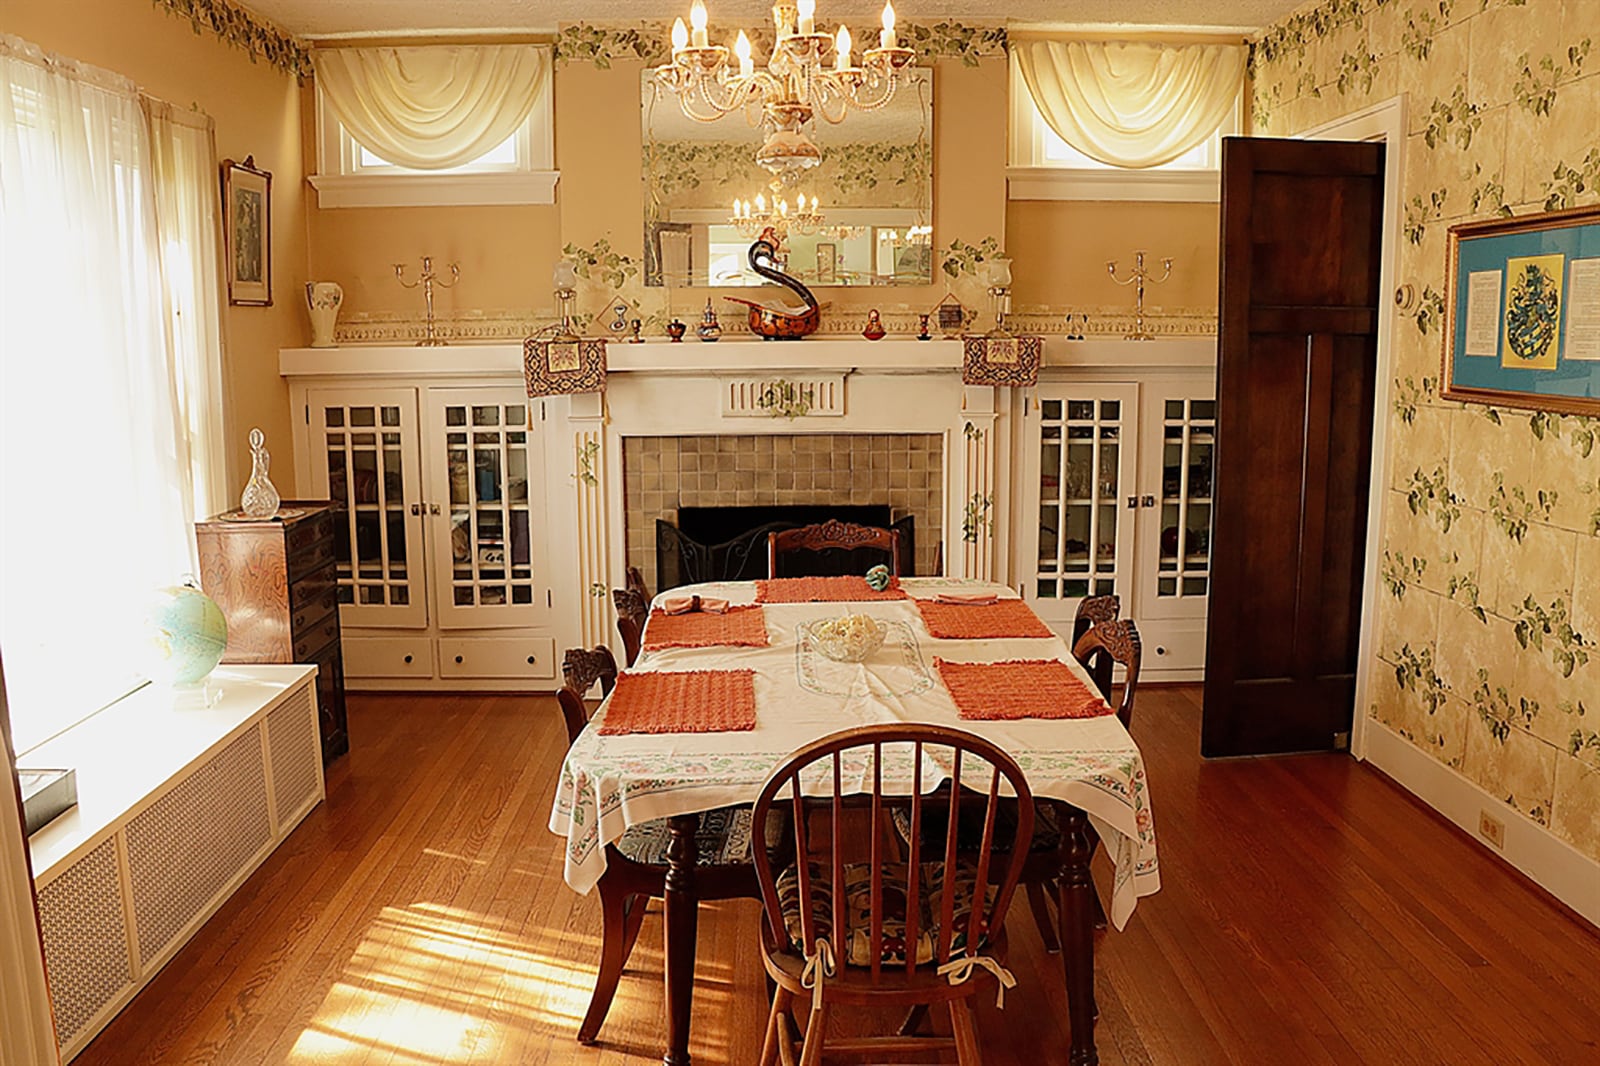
(730, 543)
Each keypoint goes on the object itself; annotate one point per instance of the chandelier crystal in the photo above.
(808, 74)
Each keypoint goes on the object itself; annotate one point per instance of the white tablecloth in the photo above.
(611, 782)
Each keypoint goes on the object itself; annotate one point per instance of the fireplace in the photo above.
(672, 479)
(730, 543)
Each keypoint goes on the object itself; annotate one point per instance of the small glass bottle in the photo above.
(260, 499)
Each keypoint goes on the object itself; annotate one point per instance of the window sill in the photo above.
(434, 190)
(1060, 183)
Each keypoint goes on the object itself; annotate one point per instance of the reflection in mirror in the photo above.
(705, 195)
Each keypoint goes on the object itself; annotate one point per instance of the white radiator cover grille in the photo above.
(85, 940)
(295, 755)
(195, 841)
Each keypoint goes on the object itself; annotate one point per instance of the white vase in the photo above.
(323, 300)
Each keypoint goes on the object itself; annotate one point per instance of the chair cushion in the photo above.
(857, 939)
(723, 838)
(969, 830)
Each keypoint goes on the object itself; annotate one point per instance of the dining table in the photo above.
(1088, 766)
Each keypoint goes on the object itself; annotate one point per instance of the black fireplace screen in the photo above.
(730, 543)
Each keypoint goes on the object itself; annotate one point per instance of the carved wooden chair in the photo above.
(636, 865)
(1092, 610)
(832, 536)
(1102, 645)
(636, 583)
(633, 610)
(841, 932)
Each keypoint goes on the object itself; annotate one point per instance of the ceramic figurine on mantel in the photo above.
(323, 300)
(636, 325)
(676, 330)
(709, 329)
(922, 329)
(260, 498)
(874, 330)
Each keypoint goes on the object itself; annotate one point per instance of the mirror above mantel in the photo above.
(874, 187)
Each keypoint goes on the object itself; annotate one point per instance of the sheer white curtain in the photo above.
(434, 107)
(96, 500)
(1129, 103)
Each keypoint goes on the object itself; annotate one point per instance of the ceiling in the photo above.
(345, 18)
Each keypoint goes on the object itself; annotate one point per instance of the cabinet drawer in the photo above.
(308, 641)
(308, 545)
(312, 597)
(388, 657)
(529, 657)
(1169, 646)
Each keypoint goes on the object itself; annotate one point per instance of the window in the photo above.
(518, 171)
(1044, 167)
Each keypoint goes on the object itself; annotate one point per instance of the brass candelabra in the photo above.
(1138, 278)
(427, 279)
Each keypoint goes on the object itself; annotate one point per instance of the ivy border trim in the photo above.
(243, 30)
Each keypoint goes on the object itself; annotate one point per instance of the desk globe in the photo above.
(189, 633)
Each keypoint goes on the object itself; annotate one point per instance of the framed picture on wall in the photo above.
(247, 232)
(1522, 312)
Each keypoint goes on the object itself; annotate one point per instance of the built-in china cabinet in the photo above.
(443, 569)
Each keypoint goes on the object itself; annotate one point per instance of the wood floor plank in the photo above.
(1311, 913)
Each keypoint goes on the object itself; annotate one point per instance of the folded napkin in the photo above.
(1019, 688)
(694, 701)
(687, 604)
(976, 599)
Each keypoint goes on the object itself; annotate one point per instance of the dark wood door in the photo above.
(1298, 328)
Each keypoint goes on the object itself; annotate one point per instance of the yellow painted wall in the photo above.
(257, 111)
(1489, 625)
(1059, 250)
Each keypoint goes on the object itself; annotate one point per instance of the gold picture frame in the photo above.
(1522, 312)
(247, 232)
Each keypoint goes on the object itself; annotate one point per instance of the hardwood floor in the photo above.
(1312, 913)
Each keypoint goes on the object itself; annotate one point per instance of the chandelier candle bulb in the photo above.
(697, 18)
(741, 48)
(842, 61)
(808, 16)
(886, 36)
(680, 36)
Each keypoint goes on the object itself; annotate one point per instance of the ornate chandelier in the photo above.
(805, 219)
(808, 74)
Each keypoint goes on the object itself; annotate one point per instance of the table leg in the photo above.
(681, 916)
(1077, 932)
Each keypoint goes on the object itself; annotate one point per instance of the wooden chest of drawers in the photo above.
(275, 584)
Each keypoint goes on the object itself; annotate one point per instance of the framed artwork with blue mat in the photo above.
(1522, 312)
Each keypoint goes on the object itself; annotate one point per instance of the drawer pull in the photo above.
(530, 660)
(1160, 650)
(458, 660)
(408, 660)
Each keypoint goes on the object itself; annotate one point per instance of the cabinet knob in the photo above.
(416, 509)
(530, 660)
(408, 660)
(458, 660)
(433, 508)
(1160, 650)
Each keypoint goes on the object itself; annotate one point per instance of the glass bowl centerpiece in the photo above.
(848, 639)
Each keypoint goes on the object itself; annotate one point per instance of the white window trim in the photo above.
(341, 180)
(1027, 178)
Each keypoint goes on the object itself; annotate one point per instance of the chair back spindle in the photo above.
(633, 610)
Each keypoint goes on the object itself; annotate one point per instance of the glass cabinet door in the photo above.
(1178, 540)
(365, 460)
(488, 537)
(1078, 540)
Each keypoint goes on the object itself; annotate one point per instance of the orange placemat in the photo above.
(986, 621)
(823, 590)
(743, 627)
(1019, 688)
(691, 701)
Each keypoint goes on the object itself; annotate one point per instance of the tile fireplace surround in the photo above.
(661, 474)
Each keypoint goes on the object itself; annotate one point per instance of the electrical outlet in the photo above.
(1492, 829)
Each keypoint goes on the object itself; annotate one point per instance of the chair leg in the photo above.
(816, 1028)
(914, 1019)
(1099, 913)
(613, 955)
(638, 906)
(777, 1027)
(1039, 903)
(964, 1027)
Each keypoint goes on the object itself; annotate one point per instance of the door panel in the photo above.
(1301, 242)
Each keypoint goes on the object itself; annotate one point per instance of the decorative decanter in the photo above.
(260, 499)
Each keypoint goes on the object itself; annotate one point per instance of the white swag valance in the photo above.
(1131, 104)
(432, 107)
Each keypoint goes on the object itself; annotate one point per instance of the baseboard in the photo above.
(1552, 863)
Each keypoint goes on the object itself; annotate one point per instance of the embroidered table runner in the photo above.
(685, 701)
(981, 621)
(823, 590)
(740, 627)
(1019, 688)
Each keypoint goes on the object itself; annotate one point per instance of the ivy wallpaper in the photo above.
(1491, 553)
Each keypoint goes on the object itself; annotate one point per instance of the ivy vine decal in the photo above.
(963, 258)
(1430, 494)
(1415, 672)
(245, 31)
(611, 267)
(1537, 624)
